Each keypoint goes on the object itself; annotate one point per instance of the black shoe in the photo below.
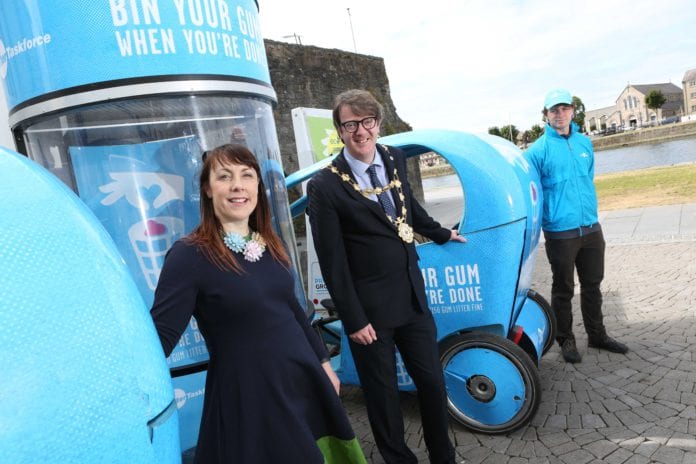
(570, 351)
(609, 344)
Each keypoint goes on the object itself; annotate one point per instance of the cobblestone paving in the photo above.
(638, 408)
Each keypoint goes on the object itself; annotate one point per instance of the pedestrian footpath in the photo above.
(650, 224)
(638, 408)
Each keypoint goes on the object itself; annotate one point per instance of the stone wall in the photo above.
(645, 135)
(310, 77)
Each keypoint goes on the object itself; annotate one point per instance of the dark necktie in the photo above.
(384, 198)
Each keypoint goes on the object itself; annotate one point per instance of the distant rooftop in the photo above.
(664, 88)
(689, 75)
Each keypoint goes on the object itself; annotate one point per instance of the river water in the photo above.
(616, 160)
(646, 156)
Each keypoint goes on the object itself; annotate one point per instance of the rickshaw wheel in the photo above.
(492, 385)
(550, 317)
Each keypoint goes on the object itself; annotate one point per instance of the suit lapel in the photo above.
(343, 167)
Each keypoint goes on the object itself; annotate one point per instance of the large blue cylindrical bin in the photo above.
(119, 99)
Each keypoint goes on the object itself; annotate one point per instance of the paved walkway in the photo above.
(650, 224)
(638, 408)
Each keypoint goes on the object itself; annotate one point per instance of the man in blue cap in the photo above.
(564, 160)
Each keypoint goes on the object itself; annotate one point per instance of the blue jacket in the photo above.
(566, 169)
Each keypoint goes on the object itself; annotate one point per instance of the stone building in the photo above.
(689, 86)
(596, 120)
(630, 110)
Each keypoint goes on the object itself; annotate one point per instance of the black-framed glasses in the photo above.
(368, 123)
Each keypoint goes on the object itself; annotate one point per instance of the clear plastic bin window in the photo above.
(135, 162)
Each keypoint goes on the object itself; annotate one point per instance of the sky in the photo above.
(472, 64)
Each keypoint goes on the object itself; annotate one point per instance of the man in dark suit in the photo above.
(363, 216)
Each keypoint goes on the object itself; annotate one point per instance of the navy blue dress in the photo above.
(267, 398)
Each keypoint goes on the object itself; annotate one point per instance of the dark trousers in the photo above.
(376, 366)
(586, 254)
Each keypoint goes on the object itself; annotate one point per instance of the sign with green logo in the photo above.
(323, 137)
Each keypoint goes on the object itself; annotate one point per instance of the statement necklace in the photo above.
(252, 246)
(405, 231)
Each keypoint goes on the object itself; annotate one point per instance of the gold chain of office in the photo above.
(404, 229)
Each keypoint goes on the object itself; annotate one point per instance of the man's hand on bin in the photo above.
(455, 237)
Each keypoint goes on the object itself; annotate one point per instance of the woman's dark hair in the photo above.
(208, 235)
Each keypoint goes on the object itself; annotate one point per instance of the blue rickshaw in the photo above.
(492, 327)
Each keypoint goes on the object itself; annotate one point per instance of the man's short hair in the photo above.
(361, 102)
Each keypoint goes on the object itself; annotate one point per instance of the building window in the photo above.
(625, 104)
(692, 83)
(693, 108)
(693, 95)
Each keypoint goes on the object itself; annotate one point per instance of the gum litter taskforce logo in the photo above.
(22, 46)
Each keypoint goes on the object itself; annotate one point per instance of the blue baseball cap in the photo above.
(557, 97)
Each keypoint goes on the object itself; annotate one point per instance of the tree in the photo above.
(505, 133)
(654, 100)
(494, 131)
(535, 132)
(579, 118)
(531, 135)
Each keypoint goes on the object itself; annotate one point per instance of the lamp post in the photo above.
(350, 21)
(298, 39)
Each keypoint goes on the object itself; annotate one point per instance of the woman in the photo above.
(271, 395)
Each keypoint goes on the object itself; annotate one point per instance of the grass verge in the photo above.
(660, 186)
(647, 187)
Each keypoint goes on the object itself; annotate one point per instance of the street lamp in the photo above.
(297, 38)
(350, 21)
